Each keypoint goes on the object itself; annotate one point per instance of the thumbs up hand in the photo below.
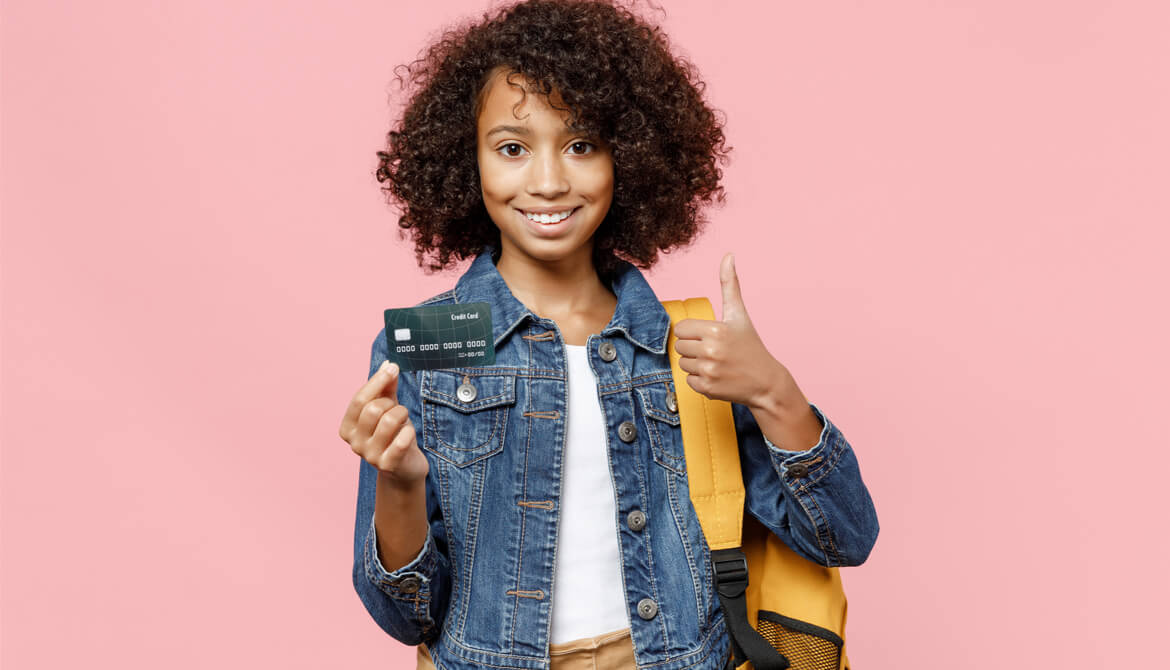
(726, 360)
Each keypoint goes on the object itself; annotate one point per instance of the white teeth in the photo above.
(549, 218)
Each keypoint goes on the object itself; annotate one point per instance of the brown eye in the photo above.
(584, 144)
(507, 153)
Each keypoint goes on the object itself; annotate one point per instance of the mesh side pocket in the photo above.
(807, 647)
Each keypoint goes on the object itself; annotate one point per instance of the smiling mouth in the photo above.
(549, 219)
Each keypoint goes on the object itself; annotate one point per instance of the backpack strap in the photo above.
(708, 432)
(717, 493)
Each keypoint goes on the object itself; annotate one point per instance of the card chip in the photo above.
(401, 334)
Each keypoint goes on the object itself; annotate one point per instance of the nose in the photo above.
(547, 177)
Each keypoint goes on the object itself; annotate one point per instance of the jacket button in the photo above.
(627, 431)
(671, 401)
(409, 584)
(607, 351)
(466, 392)
(636, 520)
(798, 470)
(647, 608)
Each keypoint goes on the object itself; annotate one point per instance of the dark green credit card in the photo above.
(440, 336)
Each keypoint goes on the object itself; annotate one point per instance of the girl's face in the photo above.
(531, 163)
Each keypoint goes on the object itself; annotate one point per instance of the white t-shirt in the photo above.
(588, 598)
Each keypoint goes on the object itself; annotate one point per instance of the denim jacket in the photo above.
(479, 592)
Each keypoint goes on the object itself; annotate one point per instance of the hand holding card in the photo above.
(379, 430)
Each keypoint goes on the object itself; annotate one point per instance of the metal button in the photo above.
(671, 401)
(409, 584)
(466, 392)
(627, 431)
(647, 608)
(607, 351)
(636, 520)
(798, 470)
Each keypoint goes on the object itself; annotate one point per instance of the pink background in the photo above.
(950, 221)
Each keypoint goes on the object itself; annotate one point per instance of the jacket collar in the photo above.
(639, 316)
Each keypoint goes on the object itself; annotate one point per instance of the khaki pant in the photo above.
(610, 651)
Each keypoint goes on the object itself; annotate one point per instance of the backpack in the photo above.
(791, 612)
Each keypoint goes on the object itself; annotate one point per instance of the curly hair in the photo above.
(620, 82)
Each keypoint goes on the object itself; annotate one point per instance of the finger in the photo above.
(357, 433)
(696, 329)
(698, 383)
(387, 429)
(405, 439)
(705, 351)
(378, 450)
(690, 365)
(371, 414)
(733, 307)
(402, 443)
(691, 348)
(383, 383)
(389, 425)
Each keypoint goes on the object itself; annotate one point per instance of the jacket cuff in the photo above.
(411, 582)
(786, 458)
(837, 533)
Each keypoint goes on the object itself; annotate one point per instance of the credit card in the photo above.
(440, 336)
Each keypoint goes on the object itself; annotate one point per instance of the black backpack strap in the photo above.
(731, 580)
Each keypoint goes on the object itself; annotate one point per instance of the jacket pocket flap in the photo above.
(468, 391)
(659, 403)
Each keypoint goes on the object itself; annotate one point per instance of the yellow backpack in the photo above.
(791, 612)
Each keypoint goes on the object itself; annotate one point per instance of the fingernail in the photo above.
(392, 368)
(382, 367)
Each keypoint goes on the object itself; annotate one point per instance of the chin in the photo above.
(551, 250)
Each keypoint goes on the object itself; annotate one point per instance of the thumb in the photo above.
(390, 383)
(733, 308)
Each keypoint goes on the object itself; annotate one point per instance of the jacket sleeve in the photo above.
(409, 603)
(813, 500)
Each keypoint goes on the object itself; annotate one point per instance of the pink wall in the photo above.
(950, 221)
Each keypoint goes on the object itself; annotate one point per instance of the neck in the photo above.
(551, 288)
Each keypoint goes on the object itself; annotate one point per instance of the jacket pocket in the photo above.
(465, 413)
(660, 416)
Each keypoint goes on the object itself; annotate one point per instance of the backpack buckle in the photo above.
(731, 571)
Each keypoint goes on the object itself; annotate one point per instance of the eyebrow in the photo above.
(518, 130)
(521, 130)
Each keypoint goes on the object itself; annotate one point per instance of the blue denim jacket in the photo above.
(479, 593)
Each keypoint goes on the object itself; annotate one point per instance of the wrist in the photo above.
(397, 486)
(792, 427)
(779, 394)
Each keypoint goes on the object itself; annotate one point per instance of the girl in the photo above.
(536, 510)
